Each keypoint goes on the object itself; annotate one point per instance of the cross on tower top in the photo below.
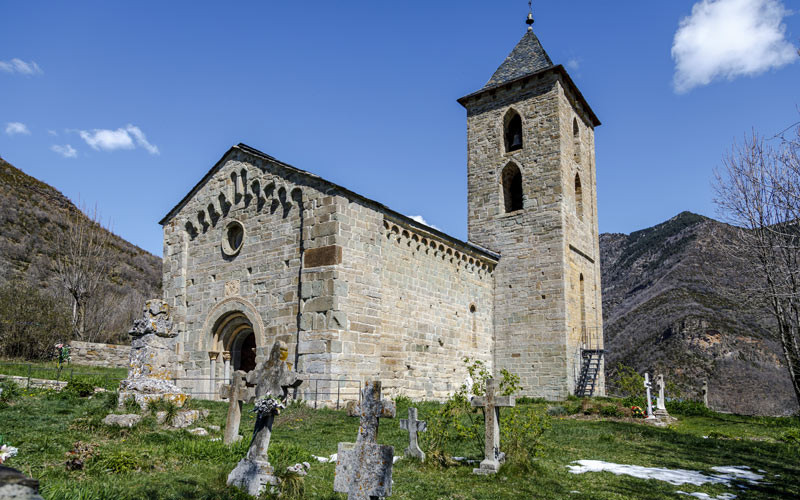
(529, 20)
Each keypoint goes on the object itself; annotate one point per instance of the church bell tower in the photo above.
(532, 199)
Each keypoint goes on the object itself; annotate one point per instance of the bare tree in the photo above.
(758, 192)
(82, 262)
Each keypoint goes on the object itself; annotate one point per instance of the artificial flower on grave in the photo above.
(7, 452)
(268, 405)
(637, 412)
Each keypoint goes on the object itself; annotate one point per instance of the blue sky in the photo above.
(126, 105)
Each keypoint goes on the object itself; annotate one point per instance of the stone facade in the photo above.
(94, 354)
(547, 301)
(260, 251)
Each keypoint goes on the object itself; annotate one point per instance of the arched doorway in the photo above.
(234, 336)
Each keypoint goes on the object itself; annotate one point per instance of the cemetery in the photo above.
(481, 443)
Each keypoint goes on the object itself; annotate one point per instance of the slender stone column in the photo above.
(213, 355)
(226, 370)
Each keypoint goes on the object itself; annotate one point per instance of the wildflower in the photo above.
(7, 452)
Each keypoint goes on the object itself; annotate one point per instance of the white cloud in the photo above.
(66, 150)
(421, 220)
(19, 66)
(14, 128)
(574, 64)
(728, 39)
(122, 138)
(53, 133)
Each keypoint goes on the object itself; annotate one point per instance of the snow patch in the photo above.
(706, 496)
(676, 477)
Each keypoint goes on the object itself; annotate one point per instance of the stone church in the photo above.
(260, 250)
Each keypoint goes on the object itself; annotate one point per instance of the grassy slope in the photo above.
(179, 465)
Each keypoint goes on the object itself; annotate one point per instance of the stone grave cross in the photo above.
(491, 403)
(647, 386)
(412, 425)
(236, 393)
(273, 378)
(660, 402)
(364, 468)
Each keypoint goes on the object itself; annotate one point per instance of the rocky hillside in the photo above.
(31, 217)
(673, 304)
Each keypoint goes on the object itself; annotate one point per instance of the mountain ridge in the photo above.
(674, 304)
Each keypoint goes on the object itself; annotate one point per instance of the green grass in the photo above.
(100, 376)
(148, 462)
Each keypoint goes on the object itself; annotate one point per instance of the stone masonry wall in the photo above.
(317, 270)
(93, 354)
(533, 298)
(581, 241)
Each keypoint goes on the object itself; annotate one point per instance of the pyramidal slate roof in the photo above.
(527, 57)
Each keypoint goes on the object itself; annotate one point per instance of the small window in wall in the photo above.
(512, 124)
(576, 140)
(233, 239)
(512, 188)
(578, 197)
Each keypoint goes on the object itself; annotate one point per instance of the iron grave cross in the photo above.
(492, 403)
(364, 468)
(412, 425)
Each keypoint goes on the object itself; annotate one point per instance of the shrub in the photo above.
(31, 323)
(10, 391)
(627, 381)
(79, 387)
(521, 430)
(688, 408)
(457, 422)
(611, 411)
(557, 411)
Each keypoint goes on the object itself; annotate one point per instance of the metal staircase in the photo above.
(590, 368)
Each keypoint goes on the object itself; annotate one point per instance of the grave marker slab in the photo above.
(364, 468)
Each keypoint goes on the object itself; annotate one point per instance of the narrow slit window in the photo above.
(578, 197)
(512, 188)
(513, 131)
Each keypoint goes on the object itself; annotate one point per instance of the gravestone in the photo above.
(272, 377)
(492, 403)
(152, 358)
(236, 393)
(647, 386)
(412, 425)
(16, 485)
(661, 408)
(364, 468)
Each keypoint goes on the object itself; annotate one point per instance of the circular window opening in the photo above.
(234, 238)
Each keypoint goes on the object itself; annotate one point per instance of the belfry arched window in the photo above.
(576, 140)
(512, 188)
(578, 197)
(512, 128)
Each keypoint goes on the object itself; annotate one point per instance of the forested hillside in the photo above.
(32, 217)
